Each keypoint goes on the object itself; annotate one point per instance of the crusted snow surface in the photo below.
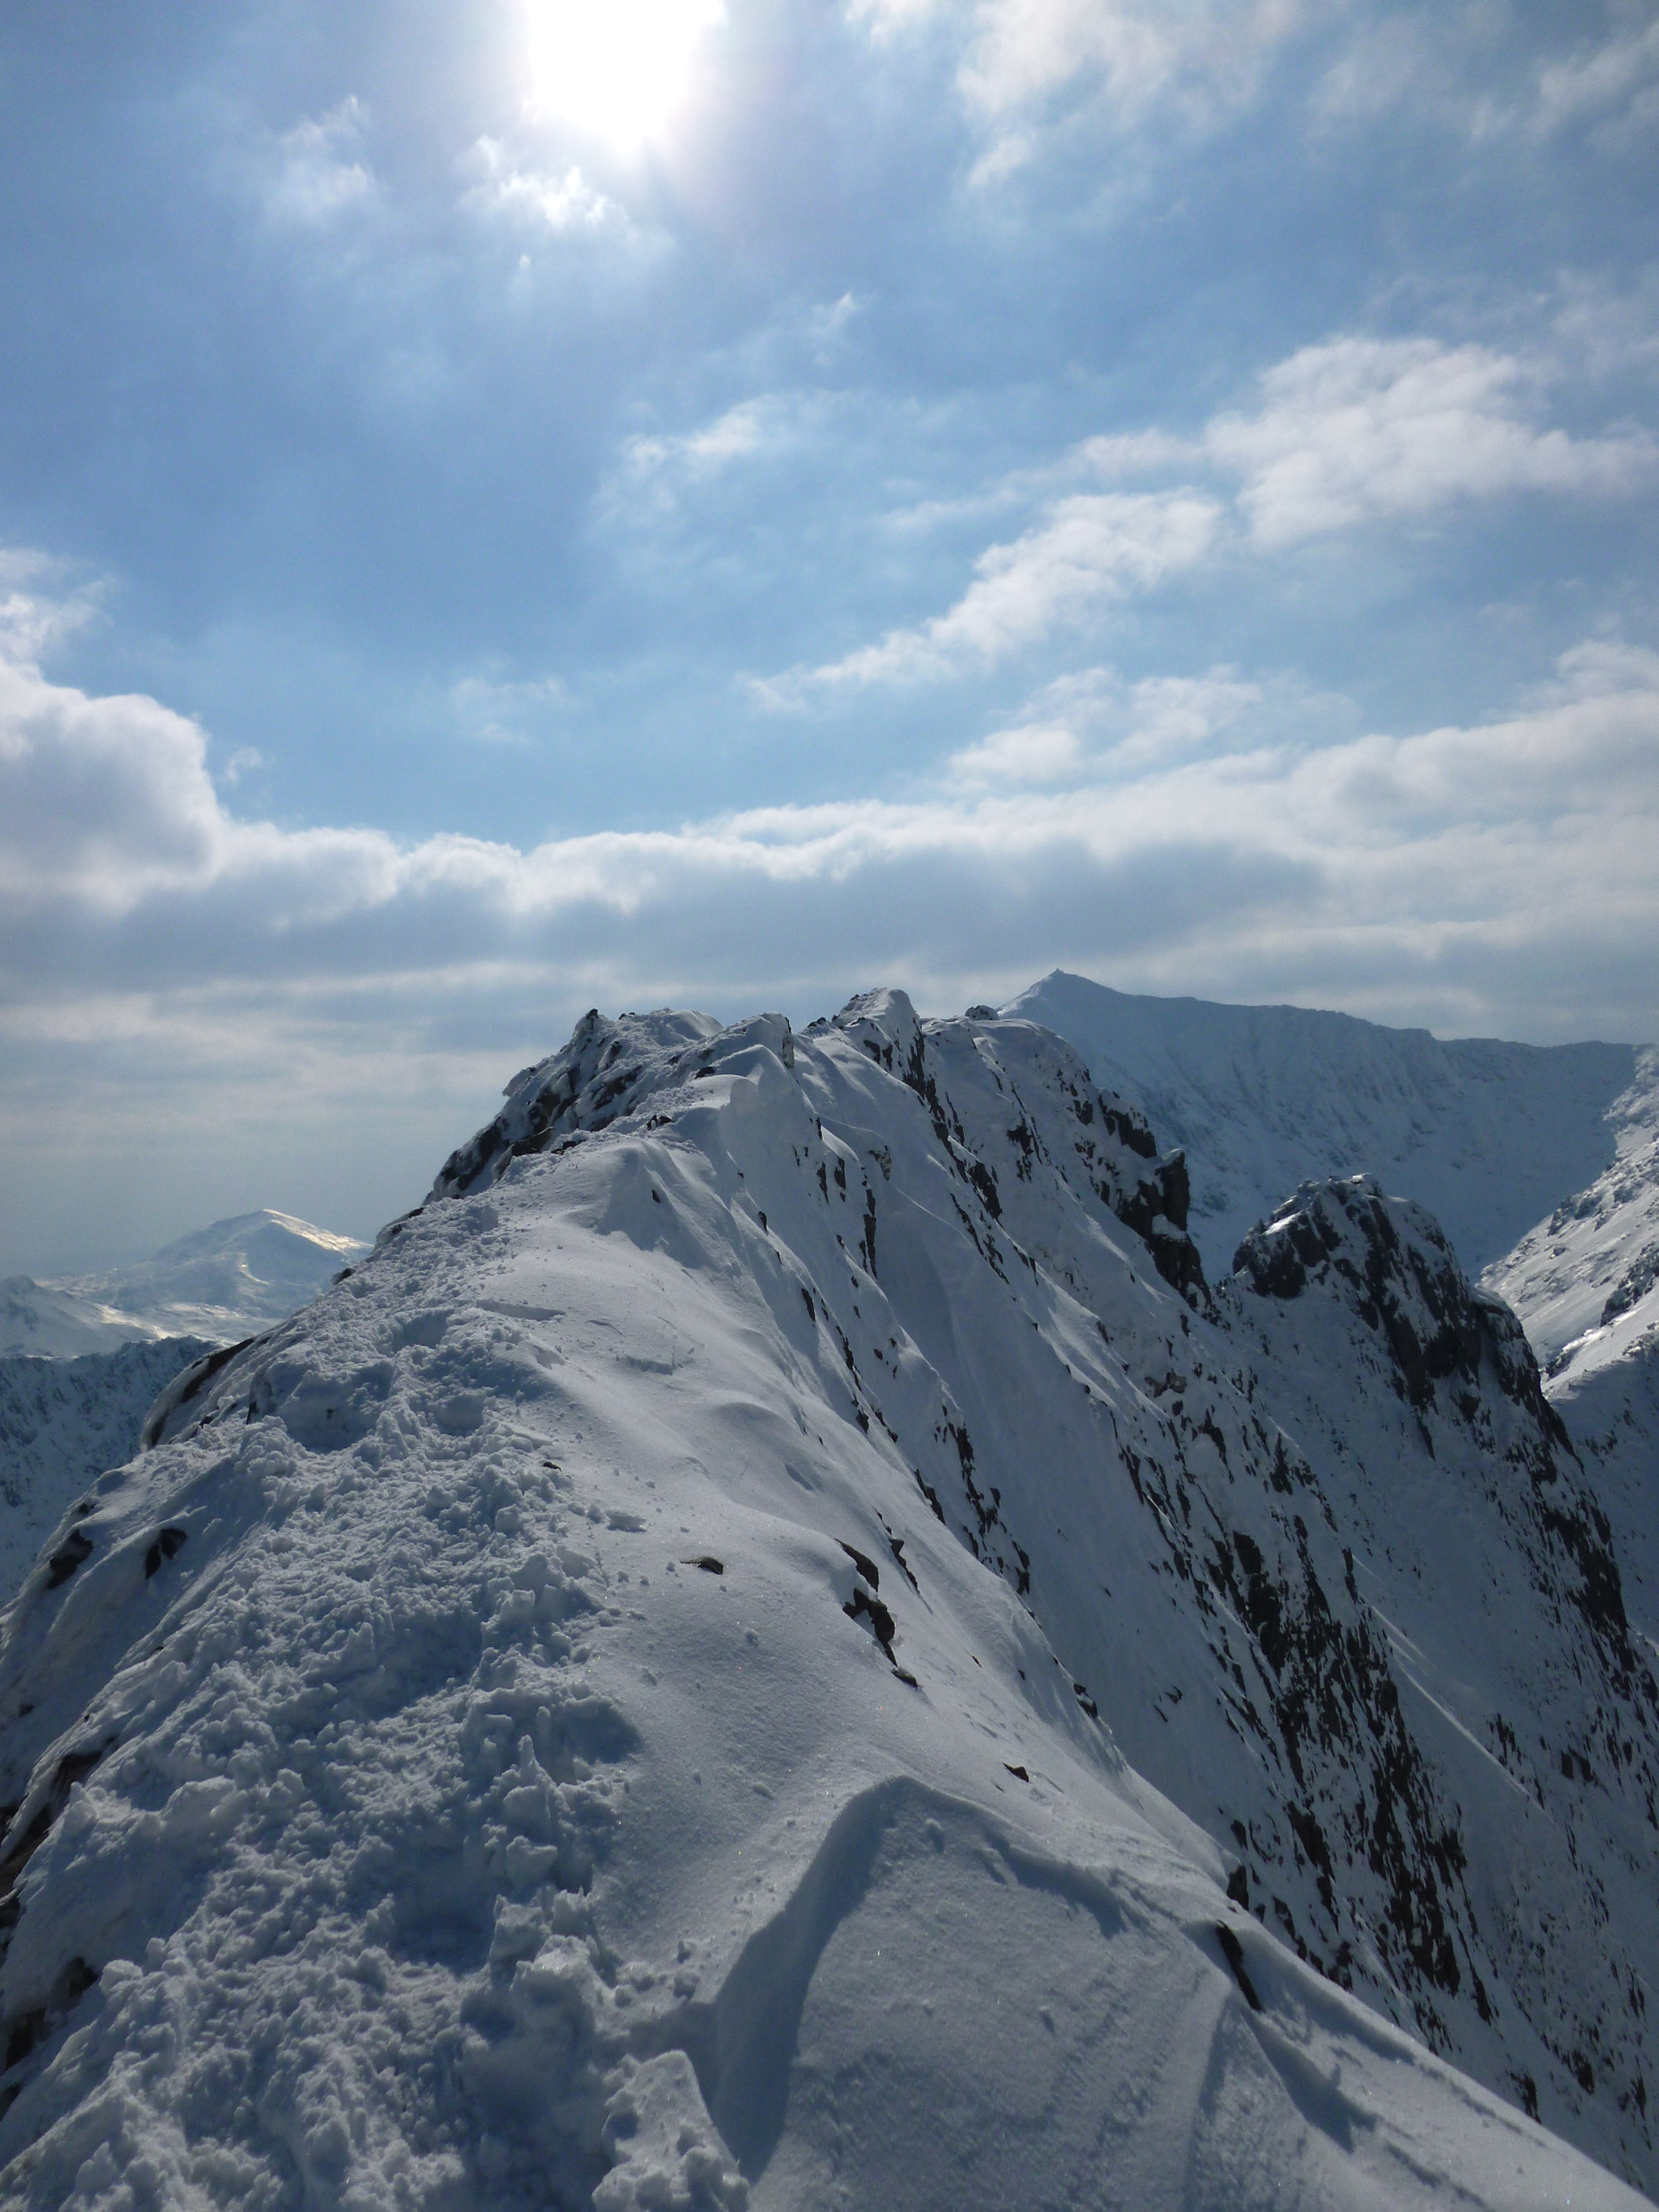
(625, 1699)
(62, 1422)
(1488, 1135)
(222, 1283)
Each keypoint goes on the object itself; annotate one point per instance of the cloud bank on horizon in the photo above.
(893, 491)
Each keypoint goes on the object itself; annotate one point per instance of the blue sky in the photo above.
(506, 506)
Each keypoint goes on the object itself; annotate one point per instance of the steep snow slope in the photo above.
(62, 1422)
(1488, 1136)
(222, 1282)
(1587, 1280)
(611, 1703)
(1612, 1410)
(1486, 1558)
(1586, 1283)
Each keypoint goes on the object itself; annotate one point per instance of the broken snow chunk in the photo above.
(515, 1610)
(669, 2153)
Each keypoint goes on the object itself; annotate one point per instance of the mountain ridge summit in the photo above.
(782, 1637)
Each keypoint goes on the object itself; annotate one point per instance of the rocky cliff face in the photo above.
(785, 1554)
(1484, 1555)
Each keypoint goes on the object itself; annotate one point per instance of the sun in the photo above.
(617, 68)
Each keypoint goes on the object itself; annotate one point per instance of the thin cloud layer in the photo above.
(1087, 550)
(115, 828)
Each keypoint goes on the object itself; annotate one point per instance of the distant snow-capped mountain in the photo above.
(1489, 1136)
(222, 1282)
(1541, 1164)
(780, 1642)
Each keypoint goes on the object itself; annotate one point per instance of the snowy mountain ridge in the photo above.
(780, 1605)
(1489, 1136)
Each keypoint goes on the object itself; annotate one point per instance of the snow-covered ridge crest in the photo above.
(611, 1070)
(648, 1686)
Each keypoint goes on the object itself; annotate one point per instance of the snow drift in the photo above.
(780, 1643)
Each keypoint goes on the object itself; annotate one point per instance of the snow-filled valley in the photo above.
(780, 1642)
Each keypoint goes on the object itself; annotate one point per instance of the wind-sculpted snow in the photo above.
(718, 1666)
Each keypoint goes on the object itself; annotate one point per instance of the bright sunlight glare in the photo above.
(618, 68)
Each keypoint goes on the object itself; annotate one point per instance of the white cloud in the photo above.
(827, 324)
(1087, 550)
(39, 607)
(746, 428)
(318, 173)
(1615, 84)
(559, 204)
(1386, 60)
(1354, 430)
(1093, 725)
(1023, 59)
(1365, 427)
(499, 711)
(1029, 753)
